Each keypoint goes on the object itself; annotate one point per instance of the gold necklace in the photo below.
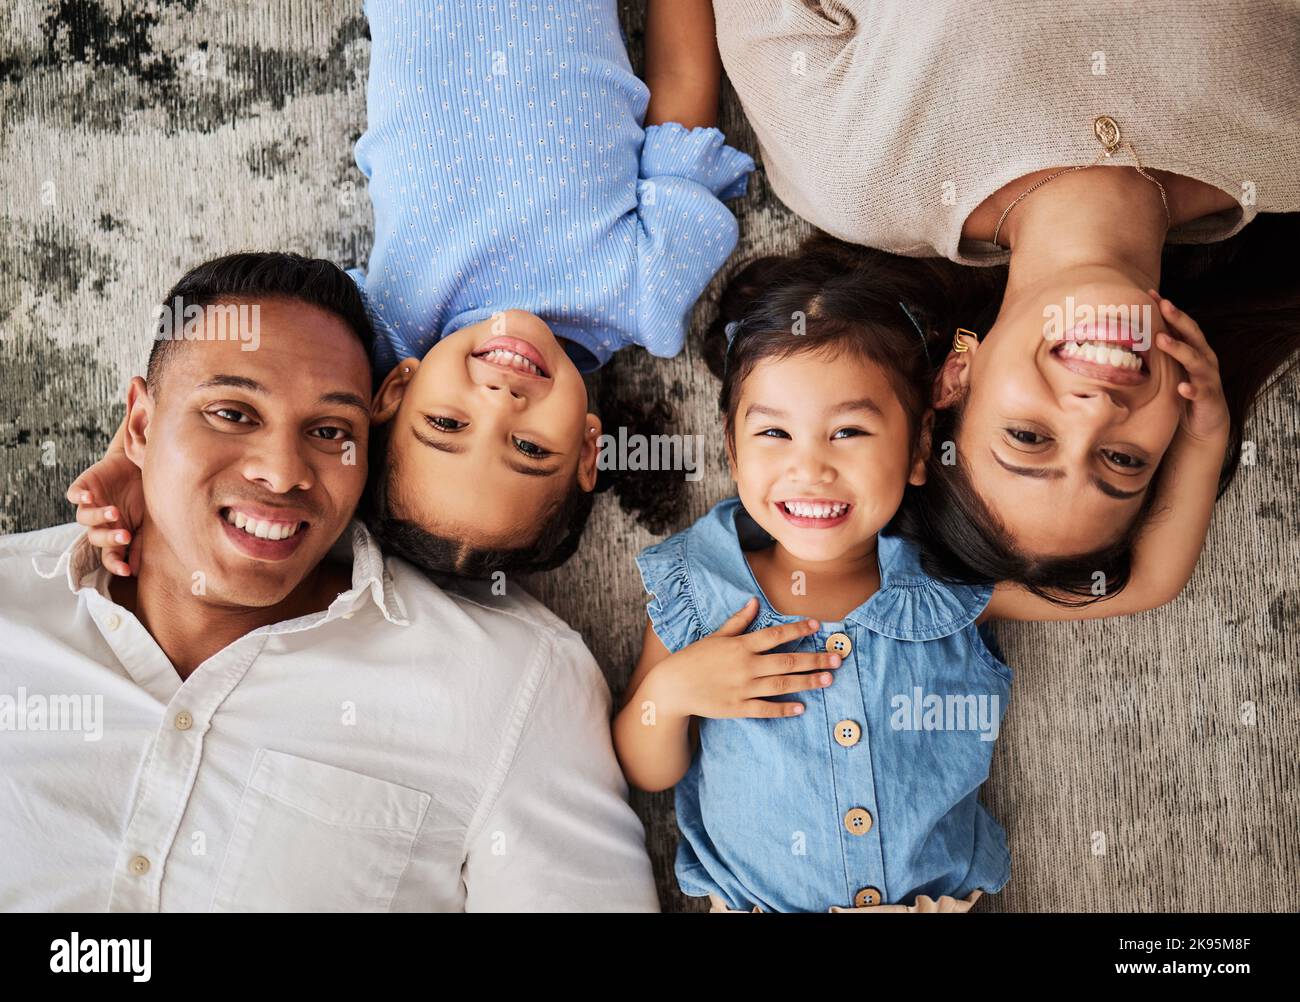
(1106, 129)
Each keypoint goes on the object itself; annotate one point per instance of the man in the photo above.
(268, 715)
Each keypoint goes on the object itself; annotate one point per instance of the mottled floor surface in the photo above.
(1145, 764)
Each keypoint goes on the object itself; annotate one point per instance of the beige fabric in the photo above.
(923, 903)
(886, 124)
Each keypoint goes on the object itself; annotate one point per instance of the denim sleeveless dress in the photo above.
(871, 796)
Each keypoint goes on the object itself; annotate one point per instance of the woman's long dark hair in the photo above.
(1243, 292)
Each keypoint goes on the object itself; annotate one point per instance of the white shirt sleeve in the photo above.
(560, 835)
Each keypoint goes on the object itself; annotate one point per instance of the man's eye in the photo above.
(224, 412)
(337, 434)
(1026, 437)
(444, 423)
(531, 449)
(1123, 460)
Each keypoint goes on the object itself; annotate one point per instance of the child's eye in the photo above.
(772, 433)
(850, 432)
(532, 450)
(444, 423)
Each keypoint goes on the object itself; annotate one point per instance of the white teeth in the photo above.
(500, 356)
(806, 509)
(262, 529)
(1102, 354)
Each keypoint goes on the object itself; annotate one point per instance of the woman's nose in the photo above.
(1099, 405)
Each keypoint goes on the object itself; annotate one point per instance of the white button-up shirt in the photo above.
(409, 749)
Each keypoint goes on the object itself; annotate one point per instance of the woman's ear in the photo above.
(390, 394)
(589, 453)
(922, 455)
(953, 380)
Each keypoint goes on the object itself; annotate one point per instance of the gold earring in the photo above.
(958, 344)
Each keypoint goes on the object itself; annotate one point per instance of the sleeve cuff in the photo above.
(700, 155)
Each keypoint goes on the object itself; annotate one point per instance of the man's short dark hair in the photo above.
(249, 277)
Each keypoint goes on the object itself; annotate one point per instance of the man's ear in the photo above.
(923, 443)
(953, 380)
(589, 453)
(393, 389)
(139, 414)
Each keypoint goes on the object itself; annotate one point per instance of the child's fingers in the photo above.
(781, 633)
(114, 561)
(769, 708)
(95, 517)
(79, 492)
(781, 685)
(738, 620)
(108, 537)
(772, 665)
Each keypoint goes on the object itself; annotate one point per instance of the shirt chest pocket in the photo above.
(315, 837)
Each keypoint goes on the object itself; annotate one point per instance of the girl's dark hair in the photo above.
(1243, 292)
(256, 275)
(828, 299)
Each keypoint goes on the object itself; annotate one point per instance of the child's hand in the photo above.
(110, 504)
(727, 674)
(1205, 419)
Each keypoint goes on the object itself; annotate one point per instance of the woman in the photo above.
(988, 141)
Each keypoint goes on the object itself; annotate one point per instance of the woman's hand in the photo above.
(726, 674)
(1205, 418)
(110, 503)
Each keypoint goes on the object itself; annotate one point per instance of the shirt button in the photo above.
(139, 866)
(847, 733)
(866, 897)
(112, 621)
(858, 821)
(839, 643)
(184, 721)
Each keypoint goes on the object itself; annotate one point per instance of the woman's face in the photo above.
(1061, 440)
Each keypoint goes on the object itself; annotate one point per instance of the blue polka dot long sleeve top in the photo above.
(508, 169)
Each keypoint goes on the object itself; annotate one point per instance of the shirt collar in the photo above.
(910, 605)
(80, 563)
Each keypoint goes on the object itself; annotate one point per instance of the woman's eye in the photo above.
(530, 449)
(1123, 460)
(444, 423)
(1026, 437)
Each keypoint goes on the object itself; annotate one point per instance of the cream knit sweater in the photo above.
(886, 123)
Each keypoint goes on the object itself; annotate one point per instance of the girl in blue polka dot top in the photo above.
(537, 208)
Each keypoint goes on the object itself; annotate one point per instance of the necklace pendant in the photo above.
(1106, 129)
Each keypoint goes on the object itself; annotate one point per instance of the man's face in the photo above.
(271, 440)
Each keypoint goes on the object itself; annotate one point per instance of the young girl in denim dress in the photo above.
(842, 771)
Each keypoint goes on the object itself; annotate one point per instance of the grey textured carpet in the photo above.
(1147, 763)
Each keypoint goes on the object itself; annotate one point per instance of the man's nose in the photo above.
(279, 463)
